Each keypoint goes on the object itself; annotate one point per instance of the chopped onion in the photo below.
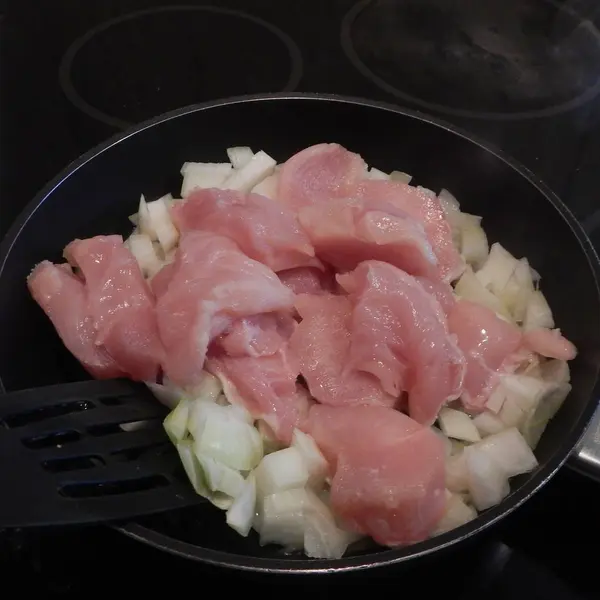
(470, 288)
(240, 156)
(447, 442)
(281, 470)
(555, 371)
(497, 270)
(270, 442)
(456, 473)
(192, 467)
(176, 422)
(226, 438)
(260, 166)
(457, 513)
(134, 219)
(209, 388)
(487, 481)
(518, 290)
(161, 225)
(315, 462)
(377, 174)
(220, 477)
(240, 515)
(488, 423)
(166, 393)
(509, 450)
(473, 242)
(203, 175)
(140, 245)
(267, 187)
(449, 205)
(282, 519)
(537, 312)
(458, 425)
(401, 177)
(496, 399)
(522, 395)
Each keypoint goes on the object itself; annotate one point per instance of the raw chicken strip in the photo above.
(309, 280)
(266, 387)
(264, 229)
(318, 174)
(399, 334)
(321, 343)
(423, 205)
(441, 291)
(121, 304)
(262, 335)
(550, 343)
(488, 343)
(389, 471)
(62, 296)
(212, 284)
(345, 232)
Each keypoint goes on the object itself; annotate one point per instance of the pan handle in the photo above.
(586, 457)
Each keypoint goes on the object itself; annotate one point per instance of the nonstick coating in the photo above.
(96, 194)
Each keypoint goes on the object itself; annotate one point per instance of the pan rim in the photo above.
(385, 557)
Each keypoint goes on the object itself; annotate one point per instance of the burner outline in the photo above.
(66, 64)
(348, 47)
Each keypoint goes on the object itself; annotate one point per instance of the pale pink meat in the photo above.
(266, 387)
(399, 334)
(213, 283)
(345, 232)
(121, 304)
(321, 344)
(441, 291)
(389, 471)
(422, 205)
(63, 297)
(488, 343)
(264, 229)
(318, 174)
(160, 282)
(309, 280)
(549, 343)
(261, 335)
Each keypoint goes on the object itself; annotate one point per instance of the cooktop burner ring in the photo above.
(353, 55)
(68, 59)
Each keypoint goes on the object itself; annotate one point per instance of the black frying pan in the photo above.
(95, 195)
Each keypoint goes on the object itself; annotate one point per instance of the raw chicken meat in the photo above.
(264, 229)
(399, 334)
(389, 471)
(120, 303)
(441, 291)
(424, 206)
(318, 174)
(488, 343)
(321, 344)
(212, 284)
(550, 343)
(62, 296)
(347, 231)
(309, 280)
(266, 386)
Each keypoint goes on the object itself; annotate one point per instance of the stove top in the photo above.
(522, 74)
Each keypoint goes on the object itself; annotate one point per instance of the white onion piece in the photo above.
(282, 519)
(456, 473)
(457, 513)
(227, 439)
(281, 470)
(270, 442)
(537, 312)
(267, 187)
(518, 290)
(400, 176)
(458, 425)
(474, 246)
(498, 269)
(449, 205)
(447, 442)
(244, 179)
(134, 219)
(496, 399)
(470, 288)
(488, 423)
(176, 422)
(220, 477)
(203, 175)
(241, 513)
(239, 156)
(374, 173)
(166, 393)
(315, 462)
(555, 371)
(142, 248)
(487, 481)
(161, 224)
(192, 467)
(522, 395)
(209, 388)
(509, 450)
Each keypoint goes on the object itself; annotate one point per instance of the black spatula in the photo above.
(65, 457)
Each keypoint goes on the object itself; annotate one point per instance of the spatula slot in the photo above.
(113, 488)
(56, 438)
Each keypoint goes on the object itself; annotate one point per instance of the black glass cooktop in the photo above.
(521, 74)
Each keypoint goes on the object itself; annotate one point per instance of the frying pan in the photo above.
(95, 194)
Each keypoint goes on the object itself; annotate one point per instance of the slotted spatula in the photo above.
(66, 459)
